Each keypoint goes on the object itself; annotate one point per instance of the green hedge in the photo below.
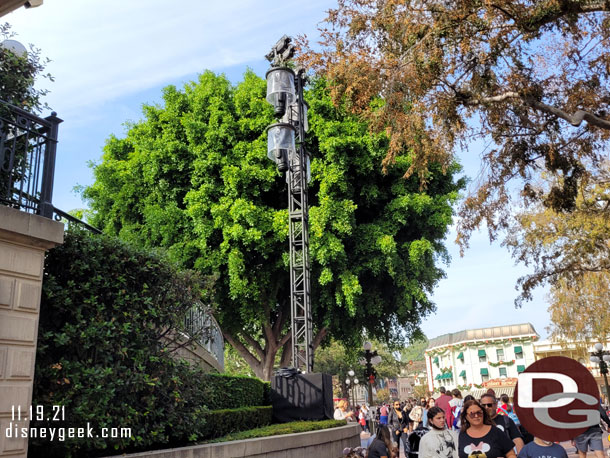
(104, 309)
(279, 429)
(225, 421)
(232, 392)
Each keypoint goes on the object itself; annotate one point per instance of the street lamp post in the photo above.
(351, 381)
(285, 93)
(369, 361)
(602, 357)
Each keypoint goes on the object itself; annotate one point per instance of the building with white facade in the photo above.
(477, 359)
(578, 351)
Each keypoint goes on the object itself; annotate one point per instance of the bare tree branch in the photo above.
(575, 119)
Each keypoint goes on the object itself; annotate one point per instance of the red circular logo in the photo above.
(556, 399)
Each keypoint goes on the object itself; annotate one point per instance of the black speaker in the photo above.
(302, 397)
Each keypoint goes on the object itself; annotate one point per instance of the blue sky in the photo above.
(111, 56)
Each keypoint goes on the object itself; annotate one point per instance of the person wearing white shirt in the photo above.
(440, 442)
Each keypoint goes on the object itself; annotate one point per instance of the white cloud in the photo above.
(105, 49)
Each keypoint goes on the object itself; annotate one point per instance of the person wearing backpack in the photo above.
(439, 441)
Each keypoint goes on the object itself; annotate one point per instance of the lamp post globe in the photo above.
(602, 357)
(15, 47)
(351, 381)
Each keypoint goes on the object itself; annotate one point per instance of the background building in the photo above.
(477, 359)
(578, 351)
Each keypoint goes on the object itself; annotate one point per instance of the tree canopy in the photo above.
(193, 177)
(579, 310)
(528, 77)
(562, 247)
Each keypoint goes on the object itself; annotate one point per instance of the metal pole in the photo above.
(48, 170)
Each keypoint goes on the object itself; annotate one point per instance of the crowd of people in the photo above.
(454, 427)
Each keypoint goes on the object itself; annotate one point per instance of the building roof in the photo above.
(498, 332)
(6, 6)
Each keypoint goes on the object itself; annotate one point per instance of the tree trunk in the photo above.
(261, 360)
(286, 360)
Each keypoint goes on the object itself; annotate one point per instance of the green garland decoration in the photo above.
(502, 363)
(482, 343)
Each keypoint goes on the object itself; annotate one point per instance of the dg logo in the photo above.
(557, 399)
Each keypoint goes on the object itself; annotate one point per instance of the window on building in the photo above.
(518, 352)
(500, 354)
(485, 377)
(502, 372)
(482, 355)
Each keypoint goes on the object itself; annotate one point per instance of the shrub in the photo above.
(105, 307)
(222, 422)
(231, 392)
(279, 429)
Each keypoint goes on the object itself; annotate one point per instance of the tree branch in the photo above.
(285, 339)
(254, 344)
(241, 349)
(319, 337)
(575, 119)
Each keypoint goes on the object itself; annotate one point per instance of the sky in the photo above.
(108, 57)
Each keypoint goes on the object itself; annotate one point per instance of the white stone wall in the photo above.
(23, 241)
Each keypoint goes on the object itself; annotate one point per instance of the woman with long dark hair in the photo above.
(479, 437)
(381, 447)
(398, 423)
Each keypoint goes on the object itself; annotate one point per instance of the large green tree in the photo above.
(193, 177)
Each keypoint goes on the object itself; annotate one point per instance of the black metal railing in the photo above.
(201, 324)
(28, 145)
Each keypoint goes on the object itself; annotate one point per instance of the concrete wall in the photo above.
(24, 238)
(328, 443)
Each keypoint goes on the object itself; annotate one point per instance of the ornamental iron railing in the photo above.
(28, 146)
(201, 325)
